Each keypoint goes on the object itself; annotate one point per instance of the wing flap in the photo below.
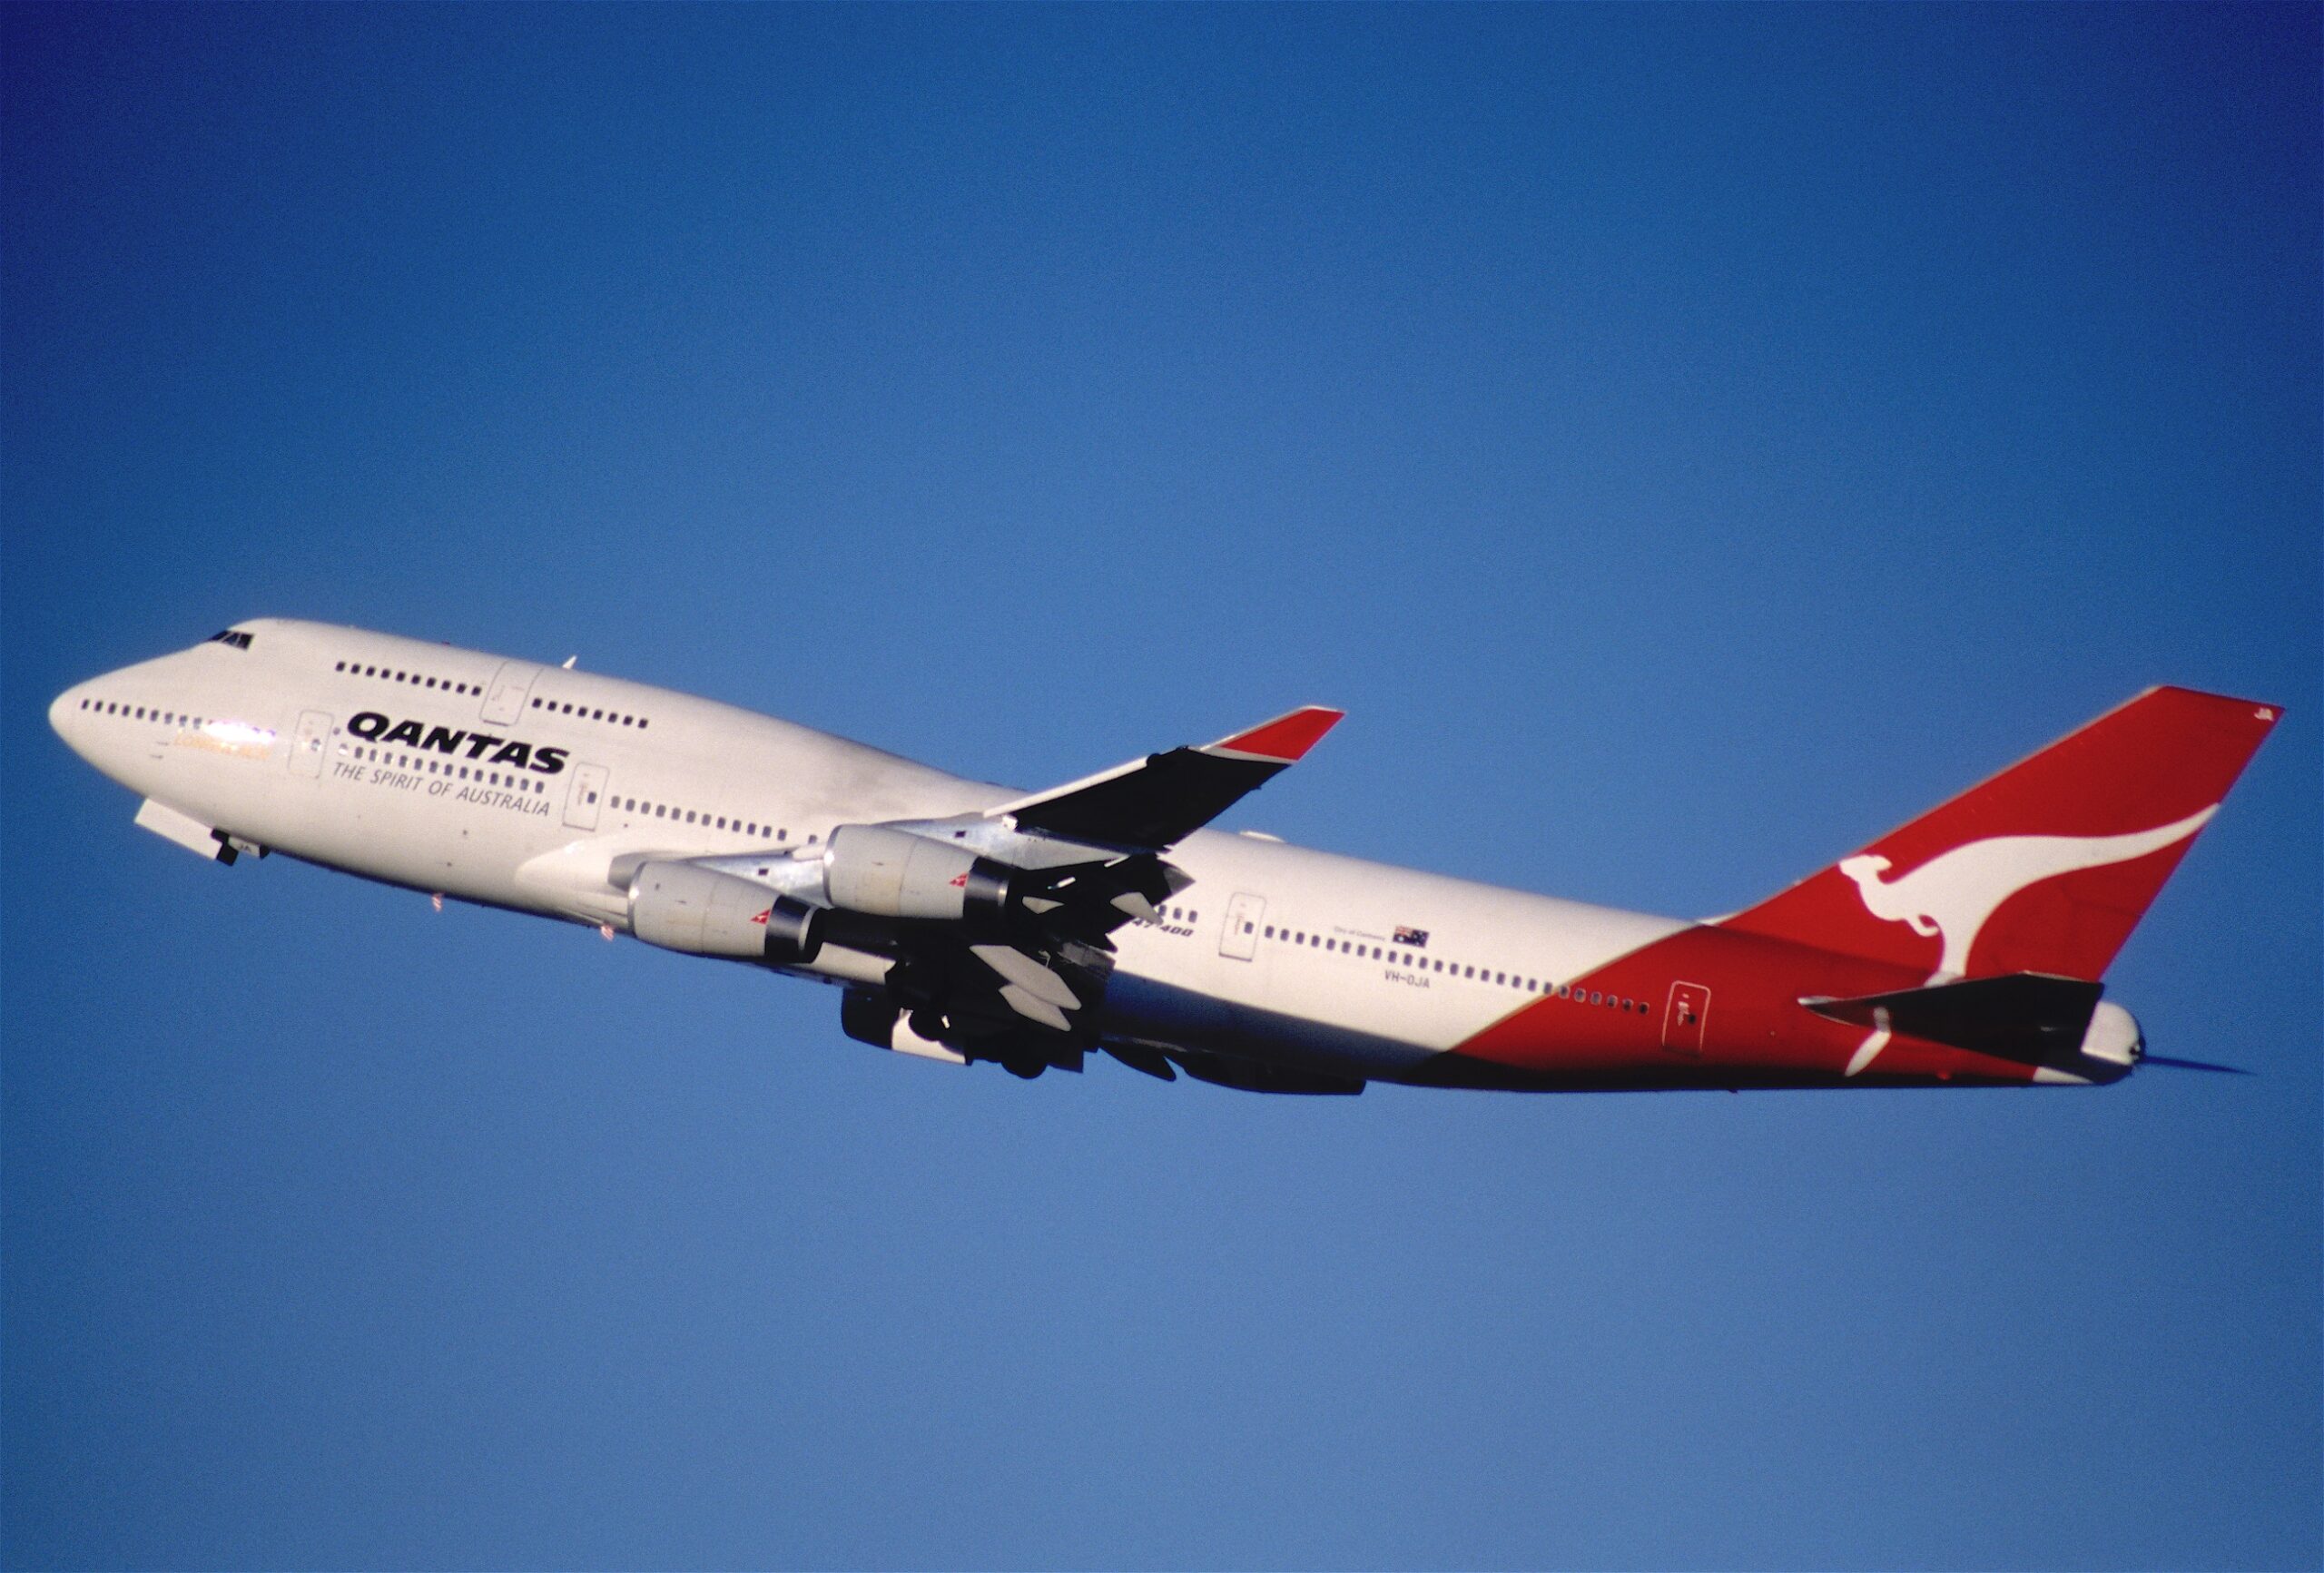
(1022, 971)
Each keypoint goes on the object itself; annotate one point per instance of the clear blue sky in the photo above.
(1687, 441)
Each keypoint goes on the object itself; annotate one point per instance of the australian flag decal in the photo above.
(1415, 938)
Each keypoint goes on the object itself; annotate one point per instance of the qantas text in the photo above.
(373, 727)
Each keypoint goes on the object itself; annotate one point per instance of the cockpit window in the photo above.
(230, 637)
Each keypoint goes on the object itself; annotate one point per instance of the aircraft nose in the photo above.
(68, 718)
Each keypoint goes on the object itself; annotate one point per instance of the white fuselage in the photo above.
(265, 743)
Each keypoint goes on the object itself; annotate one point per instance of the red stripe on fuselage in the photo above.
(1753, 1029)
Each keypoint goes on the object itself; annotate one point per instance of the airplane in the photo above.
(968, 923)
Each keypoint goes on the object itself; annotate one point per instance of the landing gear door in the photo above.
(310, 744)
(581, 797)
(504, 702)
(1683, 1017)
(1239, 940)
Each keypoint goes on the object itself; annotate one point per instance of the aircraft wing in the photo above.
(999, 927)
(1154, 802)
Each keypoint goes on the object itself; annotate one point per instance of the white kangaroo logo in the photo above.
(1953, 894)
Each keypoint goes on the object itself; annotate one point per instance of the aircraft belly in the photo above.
(1148, 1011)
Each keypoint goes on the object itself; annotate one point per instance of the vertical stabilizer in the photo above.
(2044, 868)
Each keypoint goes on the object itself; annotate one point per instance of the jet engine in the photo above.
(887, 873)
(703, 912)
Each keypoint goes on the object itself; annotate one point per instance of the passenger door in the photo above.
(1239, 940)
(581, 797)
(1682, 1019)
(310, 743)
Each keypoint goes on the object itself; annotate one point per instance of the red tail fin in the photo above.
(2046, 867)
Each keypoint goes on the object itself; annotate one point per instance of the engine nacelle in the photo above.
(887, 873)
(703, 912)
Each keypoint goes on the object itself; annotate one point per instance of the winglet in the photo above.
(1286, 739)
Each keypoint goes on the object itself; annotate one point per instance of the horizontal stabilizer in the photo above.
(2026, 1017)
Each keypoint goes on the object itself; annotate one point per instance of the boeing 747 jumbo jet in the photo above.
(969, 922)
